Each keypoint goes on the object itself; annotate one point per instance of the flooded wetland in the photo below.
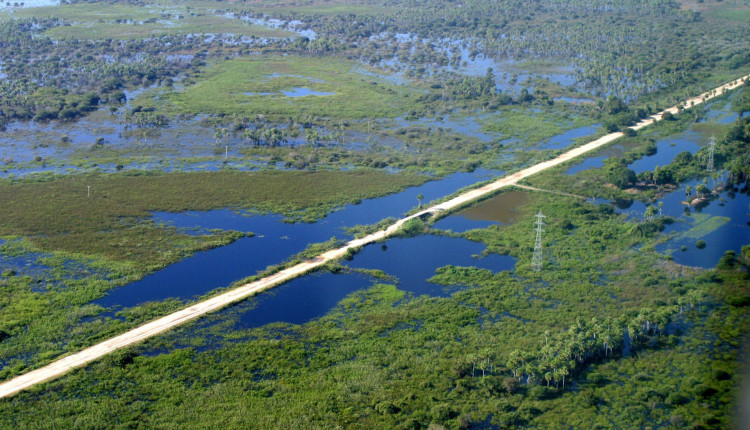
(157, 156)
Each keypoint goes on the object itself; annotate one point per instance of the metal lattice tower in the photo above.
(711, 148)
(536, 260)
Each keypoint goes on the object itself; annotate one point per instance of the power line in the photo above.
(536, 260)
(711, 148)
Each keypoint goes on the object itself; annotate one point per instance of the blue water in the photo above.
(302, 92)
(42, 276)
(26, 264)
(732, 235)
(411, 260)
(273, 243)
(414, 260)
(300, 300)
(312, 296)
(565, 139)
(667, 149)
(731, 118)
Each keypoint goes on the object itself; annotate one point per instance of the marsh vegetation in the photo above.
(120, 121)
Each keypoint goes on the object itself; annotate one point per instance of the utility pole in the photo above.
(88, 190)
(711, 148)
(536, 260)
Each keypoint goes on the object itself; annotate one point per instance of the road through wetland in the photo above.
(227, 298)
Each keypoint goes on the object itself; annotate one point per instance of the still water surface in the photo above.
(273, 243)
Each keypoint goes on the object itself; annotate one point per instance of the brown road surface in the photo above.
(150, 329)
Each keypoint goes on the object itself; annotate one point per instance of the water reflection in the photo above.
(300, 300)
(414, 260)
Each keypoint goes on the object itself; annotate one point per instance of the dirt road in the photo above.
(163, 324)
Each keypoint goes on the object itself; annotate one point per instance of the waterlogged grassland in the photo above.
(203, 24)
(111, 242)
(531, 124)
(58, 215)
(382, 359)
(249, 86)
(48, 313)
(705, 226)
(95, 21)
(91, 12)
(499, 351)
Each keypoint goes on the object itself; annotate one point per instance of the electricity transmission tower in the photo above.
(711, 148)
(536, 260)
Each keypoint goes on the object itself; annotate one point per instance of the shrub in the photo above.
(413, 227)
(675, 399)
(621, 176)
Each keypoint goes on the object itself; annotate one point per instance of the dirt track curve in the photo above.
(78, 359)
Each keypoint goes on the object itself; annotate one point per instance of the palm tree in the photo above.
(701, 190)
(472, 358)
(420, 197)
(650, 213)
(515, 363)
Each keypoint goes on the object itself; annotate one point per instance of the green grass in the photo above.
(539, 65)
(224, 88)
(705, 227)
